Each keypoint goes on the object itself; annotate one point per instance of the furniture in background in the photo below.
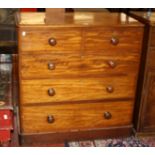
(8, 54)
(145, 106)
(77, 78)
(6, 107)
(8, 38)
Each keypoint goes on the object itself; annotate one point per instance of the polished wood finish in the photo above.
(78, 78)
(104, 39)
(68, 39)
(34, 40)
(61, 137)
(78, 65)
(151, 56)
(70, 117)
(149, 123)
(78, 19)
(152, 40)
(145, 113)
(54, 16)
(83, 89)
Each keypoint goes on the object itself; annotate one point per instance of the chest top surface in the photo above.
(79, 19)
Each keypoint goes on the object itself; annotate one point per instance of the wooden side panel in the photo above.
(36, 91)
(75, 117)
(149, 118)
(151, 55)
(152, 43)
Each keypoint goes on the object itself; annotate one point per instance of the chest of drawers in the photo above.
(77, 79)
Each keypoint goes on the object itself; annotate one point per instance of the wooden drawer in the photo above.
(37, 40)
(75, 117)
(114, 38)
(62, 90)
(58, 66)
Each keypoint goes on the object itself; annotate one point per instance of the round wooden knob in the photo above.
(51, 92)
(114, 40)
(111, 63)
(51, 66)
(50, 119)
(107, 115)
(52, 41)
(110, 89)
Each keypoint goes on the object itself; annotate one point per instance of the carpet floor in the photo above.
(116, 142)
(113, 142)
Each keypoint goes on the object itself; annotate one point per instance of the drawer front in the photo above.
(114, 38)
(74, 117)
(69, 65)
(61, 90)
(45, 39)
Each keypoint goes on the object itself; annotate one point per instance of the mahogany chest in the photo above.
(77, 79)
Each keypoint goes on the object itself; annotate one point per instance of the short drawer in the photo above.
(47, 39)
(75, 117)
(71, 65)
(114, 39)
(82, 89)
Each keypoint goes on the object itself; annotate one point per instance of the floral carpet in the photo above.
(116, 142)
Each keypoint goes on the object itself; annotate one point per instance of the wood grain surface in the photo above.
(152, 40)
(149, 117)
(76, 39)
(76, 117)
(78, 65)
(100, 38)
(36, 91)
(79, 19)
(80, 75)
(38, 39)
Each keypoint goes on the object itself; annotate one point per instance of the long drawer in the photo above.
(47, 39)
(61, 90)
(75, 117)
(71, 65)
